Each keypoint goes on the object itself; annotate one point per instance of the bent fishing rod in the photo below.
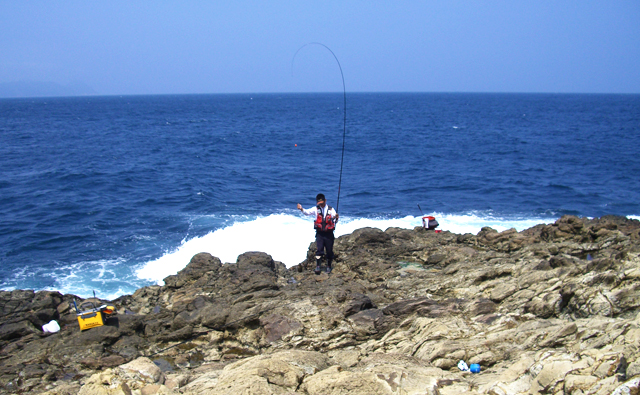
(344, 95)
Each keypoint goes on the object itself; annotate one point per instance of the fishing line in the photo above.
(344, 95)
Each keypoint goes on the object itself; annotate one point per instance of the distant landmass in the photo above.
(43, 89)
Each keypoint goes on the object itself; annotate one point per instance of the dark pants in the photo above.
(324, 241)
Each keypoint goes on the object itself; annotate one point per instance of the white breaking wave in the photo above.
(287, 237)
(85, 278)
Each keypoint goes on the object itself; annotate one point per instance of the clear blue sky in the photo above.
(157, 47)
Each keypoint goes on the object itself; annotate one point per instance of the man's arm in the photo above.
(311, 211)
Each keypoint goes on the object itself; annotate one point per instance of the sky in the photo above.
(169, 47)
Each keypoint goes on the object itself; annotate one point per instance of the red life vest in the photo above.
(325, 223)
(429, 222)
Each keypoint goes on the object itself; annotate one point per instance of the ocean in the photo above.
(109, 194)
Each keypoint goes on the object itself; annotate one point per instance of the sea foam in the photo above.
(107, 278)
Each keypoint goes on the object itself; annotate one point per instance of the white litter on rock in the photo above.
(51, 327)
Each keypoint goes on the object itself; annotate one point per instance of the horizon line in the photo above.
(317, 92)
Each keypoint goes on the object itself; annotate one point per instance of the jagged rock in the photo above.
(199, 265)
(277, 326)
(379, 374)
(270, 374)
(99, 335)
(357, 302)
(126, 379)
(17, 330)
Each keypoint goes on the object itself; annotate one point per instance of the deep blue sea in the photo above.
(114, 193)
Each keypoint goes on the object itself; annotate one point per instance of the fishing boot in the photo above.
(318, 260)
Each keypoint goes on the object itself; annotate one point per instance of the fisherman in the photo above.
(325, 224)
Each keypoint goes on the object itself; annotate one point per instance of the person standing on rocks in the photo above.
(325, 224)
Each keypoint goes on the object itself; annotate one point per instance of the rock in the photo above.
(105, 383)
(109, 361)
(214, 316)
(436, 259)
(502, 291)
(631, 387)
(379, 374)
(255, 258)
(128, 324)
(268, 374)
(98, 335)
(370, 236)
(143, 369)
(481, 306)
(405, 307)
(150, 389)
(367, 322)
(277, 326)
(180, 334)
(176, 381)
(551, 373)
(199, 265)
(17, 330)
(551, 309)
(357, 302)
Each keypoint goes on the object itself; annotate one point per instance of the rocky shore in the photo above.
(553, 309)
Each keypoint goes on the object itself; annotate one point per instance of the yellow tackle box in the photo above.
(90, 316)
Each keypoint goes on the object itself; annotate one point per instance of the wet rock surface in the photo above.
(553, 309)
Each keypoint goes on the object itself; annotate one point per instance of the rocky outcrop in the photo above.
(553, 309)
